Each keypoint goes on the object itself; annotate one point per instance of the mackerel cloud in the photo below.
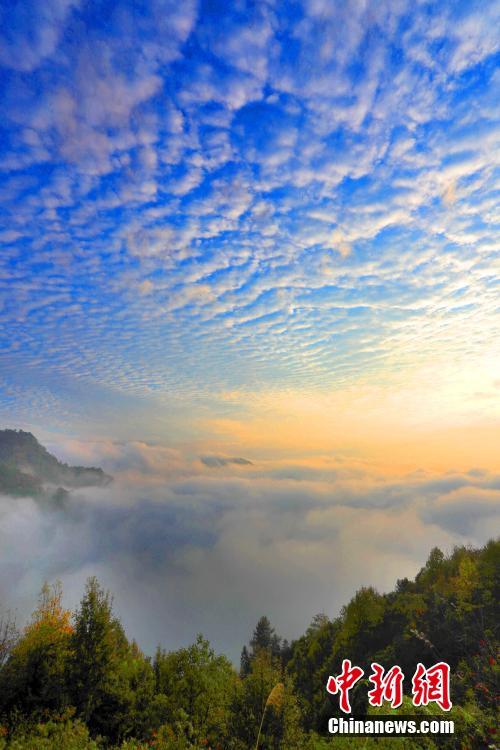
(208, 195)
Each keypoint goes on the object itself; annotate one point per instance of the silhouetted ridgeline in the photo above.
(26, 466)
(75, 681)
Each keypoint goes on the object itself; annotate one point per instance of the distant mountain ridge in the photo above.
(26, 466)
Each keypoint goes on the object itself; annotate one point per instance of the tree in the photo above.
(34, 676)
(244, 662)
(192, 698)
(309, 667)
(196, 687)
(100, 653)
(8, 636)
(362, 631)
(264, 637)
(138, 692)
(265, 710)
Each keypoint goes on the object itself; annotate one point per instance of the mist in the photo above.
(188, 545)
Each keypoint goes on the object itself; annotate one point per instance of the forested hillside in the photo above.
(74, 681)
(26, 466)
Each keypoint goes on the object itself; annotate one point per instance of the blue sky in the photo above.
(201, 198)
(265, 230)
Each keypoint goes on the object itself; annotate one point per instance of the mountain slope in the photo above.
(25, 466)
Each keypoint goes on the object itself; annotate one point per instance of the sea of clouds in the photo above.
(207, 544)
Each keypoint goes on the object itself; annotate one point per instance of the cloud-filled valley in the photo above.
(211, 549)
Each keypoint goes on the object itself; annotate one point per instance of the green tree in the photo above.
(244, 662)
(195, 687)
(59, 733)
(265, 708)
(309, 667)
(33, 678)
(265, 638)
(98, 667)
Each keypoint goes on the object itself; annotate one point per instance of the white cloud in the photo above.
(187, 541)
(32, 31)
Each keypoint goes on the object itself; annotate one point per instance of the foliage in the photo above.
(265, 708)
(34, 676)
(60, 733)
(25, 466)
(111, 681)
(449, 613)
(194, 688)
(17, 483)
(310, 666)
(77, 682)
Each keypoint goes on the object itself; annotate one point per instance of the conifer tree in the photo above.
(244, 662)
(100, 649)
